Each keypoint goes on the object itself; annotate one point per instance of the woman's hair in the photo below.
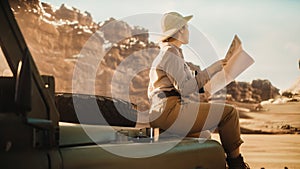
(169, 39)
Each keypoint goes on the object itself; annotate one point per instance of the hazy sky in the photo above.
(269, 30)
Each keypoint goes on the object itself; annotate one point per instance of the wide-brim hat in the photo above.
(171, 22)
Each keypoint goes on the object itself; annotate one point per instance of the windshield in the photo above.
(4, 68)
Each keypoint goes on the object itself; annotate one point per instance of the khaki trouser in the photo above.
(187, 117)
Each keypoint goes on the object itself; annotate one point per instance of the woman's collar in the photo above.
(164, 44)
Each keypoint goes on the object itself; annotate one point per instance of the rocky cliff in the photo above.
(54, 37)
(61, 39)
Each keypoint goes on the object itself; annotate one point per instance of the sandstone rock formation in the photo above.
(254, 92)
(265, 89)
(63, 39)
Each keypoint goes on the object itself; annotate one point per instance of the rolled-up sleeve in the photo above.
(202, 78)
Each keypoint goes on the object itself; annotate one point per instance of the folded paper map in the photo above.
(237, 62)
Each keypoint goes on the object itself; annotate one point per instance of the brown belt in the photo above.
(165, 94)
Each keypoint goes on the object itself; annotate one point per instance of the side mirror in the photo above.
(23, 90)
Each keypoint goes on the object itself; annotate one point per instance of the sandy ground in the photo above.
(271, 151)
(275, 150)
(274, 118)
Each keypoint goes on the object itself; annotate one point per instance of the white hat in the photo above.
(171, 22)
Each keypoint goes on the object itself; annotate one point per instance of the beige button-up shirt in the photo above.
(169, 71)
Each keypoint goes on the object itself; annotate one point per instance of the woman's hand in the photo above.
(224, 62)
(217, 66)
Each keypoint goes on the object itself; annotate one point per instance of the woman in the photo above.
(172, 84)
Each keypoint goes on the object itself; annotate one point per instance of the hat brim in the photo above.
(171, 32)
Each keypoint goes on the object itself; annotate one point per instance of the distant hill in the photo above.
(295, 88)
